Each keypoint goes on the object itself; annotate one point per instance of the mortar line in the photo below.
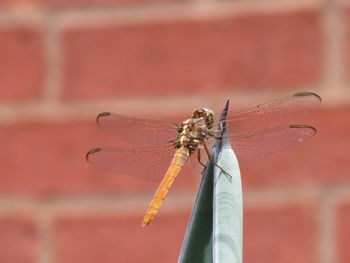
(334, 74)
(283, 195)
(45, 229)
(326, 245)
(149, 106)
(193, 10)
(53, 57)
(333, 85)
(13, 205)
(155, 11)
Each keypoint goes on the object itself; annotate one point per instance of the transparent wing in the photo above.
(253, 133)
(287, 110)
(137, 131)
(257, 144)
(149, 162)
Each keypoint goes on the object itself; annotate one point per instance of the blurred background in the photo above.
(63, 62)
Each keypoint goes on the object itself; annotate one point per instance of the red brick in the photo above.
(280, 234)
(322, 159)
(21, 63)
(343, 232)
(5, 3)
(119, 239)
(48, 158)
(189, 55)
(18, 239)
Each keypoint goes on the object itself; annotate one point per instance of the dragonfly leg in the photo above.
(199, 158)
(218, 166)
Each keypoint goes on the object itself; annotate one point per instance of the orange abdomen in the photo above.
(178, 161)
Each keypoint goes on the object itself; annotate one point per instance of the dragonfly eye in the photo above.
(197, 113)
(205, 113)
(209, 118)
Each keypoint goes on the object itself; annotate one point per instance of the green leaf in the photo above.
(197, 246)
(214, 233)
(227, 209)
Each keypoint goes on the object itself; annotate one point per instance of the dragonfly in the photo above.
(157, 150)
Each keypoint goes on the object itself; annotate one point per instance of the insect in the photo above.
(158, 150)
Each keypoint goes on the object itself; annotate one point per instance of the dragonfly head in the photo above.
(205, 113)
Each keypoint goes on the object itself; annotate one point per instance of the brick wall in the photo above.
(63, 62)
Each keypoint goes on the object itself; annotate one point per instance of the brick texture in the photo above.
(33, 163)
(279, 49)
(108, 239)
(18, 239)
(22, 63)
(277, 234)
(301, 164)
(188, 56)
(59, 166)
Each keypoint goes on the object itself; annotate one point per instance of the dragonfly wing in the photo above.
(135, 130)
(255, 145)
(287, 110)
(148, 162)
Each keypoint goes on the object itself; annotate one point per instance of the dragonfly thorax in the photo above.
(192, 132)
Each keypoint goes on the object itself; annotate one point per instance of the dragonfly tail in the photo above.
(178, 161)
